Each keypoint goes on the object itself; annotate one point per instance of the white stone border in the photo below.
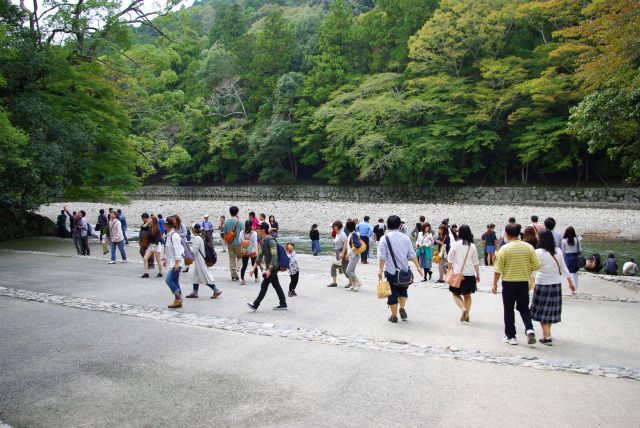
(323, 336)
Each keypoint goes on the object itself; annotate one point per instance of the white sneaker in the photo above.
(512, 341)
(123, 261)
(355, 288)
(531, 337)
(112, 262)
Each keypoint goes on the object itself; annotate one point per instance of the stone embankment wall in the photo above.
(628, 197)
(21, 224)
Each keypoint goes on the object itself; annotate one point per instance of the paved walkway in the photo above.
(332, 359)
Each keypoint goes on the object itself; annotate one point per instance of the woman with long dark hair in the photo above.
(546, 306)
(463, 258)
(248, 250)
(571, 250)
(443, 242)
(174, 261)
(153, 238)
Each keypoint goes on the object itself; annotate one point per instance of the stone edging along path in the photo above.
(322, 336)
(579, 296)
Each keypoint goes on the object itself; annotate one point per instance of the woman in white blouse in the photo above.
(463, 258)
(546, 306)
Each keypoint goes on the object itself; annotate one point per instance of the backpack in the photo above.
(357, 246)
(210, 256)
(231, 235)
(283, 258)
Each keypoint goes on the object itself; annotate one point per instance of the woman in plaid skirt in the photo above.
(546, 305)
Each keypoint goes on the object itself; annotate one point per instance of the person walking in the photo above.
(201, 273)
(174, 261)
(185, 236)
(85, 232)
(515, 262)
(340, 252)
(550, 225)
(530, 236)
(365, 231)
(546, 305)
(248, 249)
(353, 242)
(294, 269)
(270, 275)
(116, 238)
(161, 225)
(143, 243)
(153, 239)
(463, 259)
(536, 225)
(378, 232)
(571, 250)
(396, 249)
(444, 243)
(254, 220)
(490, 241)
(123, 222)
(232, 233)
(423, 249)
(314, 235)
(102, 223)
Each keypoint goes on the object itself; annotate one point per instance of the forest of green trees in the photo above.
(101, 96)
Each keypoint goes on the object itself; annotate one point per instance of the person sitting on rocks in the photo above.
(593, 263)
(630, 268)
(611, 266)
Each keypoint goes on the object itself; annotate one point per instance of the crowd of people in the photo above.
(533, 258)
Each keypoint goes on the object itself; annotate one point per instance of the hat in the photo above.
(264, 225)
(402, 221)
(205, 216)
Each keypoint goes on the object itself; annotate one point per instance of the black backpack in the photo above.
(210, 256)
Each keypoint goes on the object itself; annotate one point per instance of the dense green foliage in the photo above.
(410, 92)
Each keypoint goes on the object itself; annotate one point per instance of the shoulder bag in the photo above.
(455, 279)
(403, 278)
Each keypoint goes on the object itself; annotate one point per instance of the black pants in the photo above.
(515, 293)
(364, 256)
(273, 280)
(245, 263)
(84, 242)
(294, 281)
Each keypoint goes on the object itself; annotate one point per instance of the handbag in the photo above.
(455, 279)
(384, 289)
(188, 255)
(403, 278)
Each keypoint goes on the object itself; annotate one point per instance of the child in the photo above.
(314, 235)
(294, 271)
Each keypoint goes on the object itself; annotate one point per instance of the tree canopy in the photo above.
(99, 97)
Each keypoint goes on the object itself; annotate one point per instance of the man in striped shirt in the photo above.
(515, 262)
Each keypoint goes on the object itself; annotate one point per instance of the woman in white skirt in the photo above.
(201, 273)
(546, 306)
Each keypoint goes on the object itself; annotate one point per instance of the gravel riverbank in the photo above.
(297, 216)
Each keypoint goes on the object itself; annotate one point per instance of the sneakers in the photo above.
(192, 296)
(430, 276)
(355, 288)
(112, 262)
(144, 275)
(177, 303)
(393, 319)
(216, 294)
(292, 293)
(243, 282)
(510, 341)
(348, 286)
(234, 278)
(280, 308)
(123, 261)
(252, 306)
(333, 284)
(531, 337)
(546, 341)
(403, 314)
(159, 275)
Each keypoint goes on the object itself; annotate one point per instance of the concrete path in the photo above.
(104, 350)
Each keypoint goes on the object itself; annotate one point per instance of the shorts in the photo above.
(490, 249)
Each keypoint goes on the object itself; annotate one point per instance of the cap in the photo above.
(264, 225)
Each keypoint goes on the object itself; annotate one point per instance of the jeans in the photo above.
(124, 233)
(245, 264)
(315, 247)
(395, 291)
(351, 267)
(294, 281)
(84, 244)
(365, 256)
(515, 293)
(273, 280)
(120, 246)
(77, 241)
(173, 281)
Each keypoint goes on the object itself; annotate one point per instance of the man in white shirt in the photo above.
(402, 252)
(630, 268)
